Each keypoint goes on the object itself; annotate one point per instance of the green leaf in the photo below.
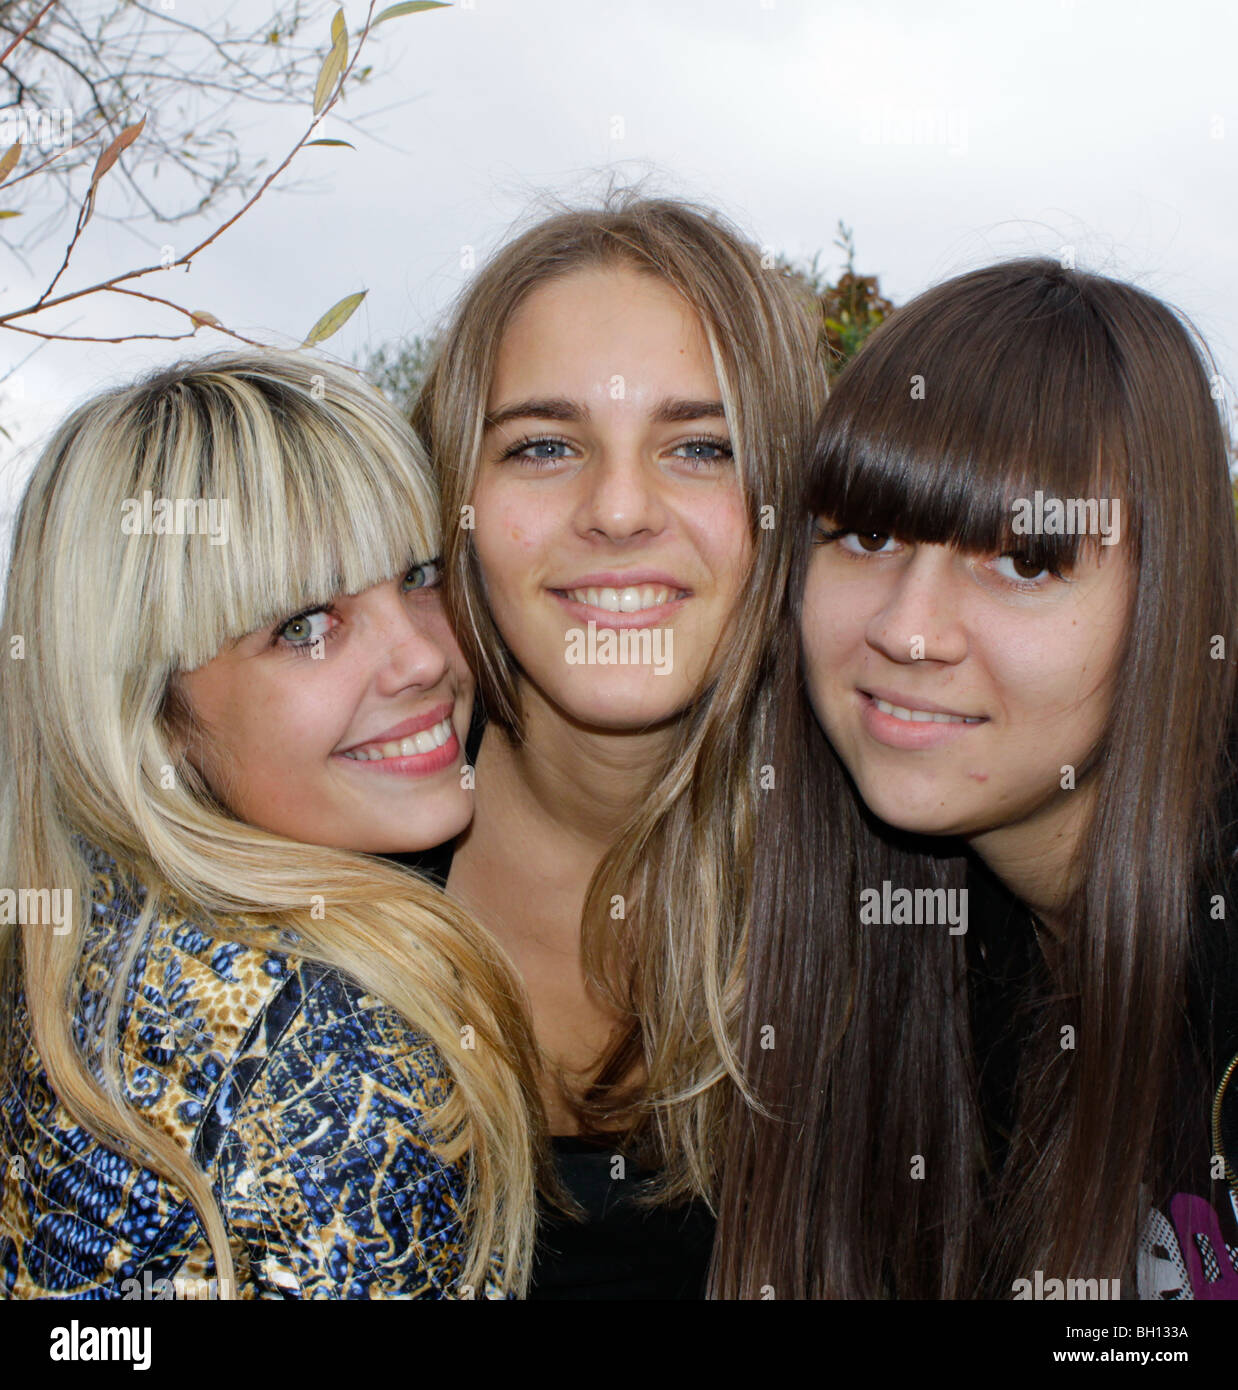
(409, 7)
(334, 319)
(308, 143)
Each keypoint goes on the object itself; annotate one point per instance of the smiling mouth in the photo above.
(923, 716)
(427, 741)
(635, 599)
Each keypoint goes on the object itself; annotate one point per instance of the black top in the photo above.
(619, 1250)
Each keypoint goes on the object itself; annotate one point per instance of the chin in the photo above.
(432, 822)
(623, 706)
(914, 810)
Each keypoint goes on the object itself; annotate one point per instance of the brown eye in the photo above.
(1023, 567)
(871, 541)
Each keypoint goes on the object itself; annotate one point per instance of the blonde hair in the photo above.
(675, 965)
(327, 493)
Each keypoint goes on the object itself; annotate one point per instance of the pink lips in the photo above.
(414, 764)
(405, 730)
(900, 733)
(627, 579)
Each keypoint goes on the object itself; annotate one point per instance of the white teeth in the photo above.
(424, 742)
(923, 716)
(631, 600)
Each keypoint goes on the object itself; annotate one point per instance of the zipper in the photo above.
(1217, 1148)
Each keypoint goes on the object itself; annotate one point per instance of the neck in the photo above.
(572, 780)
(1035, 857)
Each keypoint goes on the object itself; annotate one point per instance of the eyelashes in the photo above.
(427, 574)
(1005, 564)
(519, 447)
(305, 645)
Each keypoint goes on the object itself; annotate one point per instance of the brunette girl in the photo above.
(1015, 584)
(247, 1058)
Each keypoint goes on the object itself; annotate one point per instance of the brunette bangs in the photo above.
(957, 414)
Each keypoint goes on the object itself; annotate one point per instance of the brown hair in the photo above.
(1033, 376)
(681, 864)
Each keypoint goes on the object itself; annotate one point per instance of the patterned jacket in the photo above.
(299, 1095)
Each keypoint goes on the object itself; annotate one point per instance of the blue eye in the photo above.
(542, 449)
(706, 449)
(423, 576)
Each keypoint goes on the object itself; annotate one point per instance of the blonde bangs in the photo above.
(315, 502)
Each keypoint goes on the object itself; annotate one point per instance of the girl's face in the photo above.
(958, 687)
(609, 524)
(343, 725)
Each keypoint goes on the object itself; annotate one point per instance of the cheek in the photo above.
(720, 533)
(831, 629)
(1057, 676)
(277, 740)
(511, 531)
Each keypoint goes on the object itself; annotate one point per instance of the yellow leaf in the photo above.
(10, 214)
(333, 64)
(334, 319)
(9, 162)
(409, 7)
(200, 317)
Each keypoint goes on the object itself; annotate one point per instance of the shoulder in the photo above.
(303, 1098)
(333, 1179)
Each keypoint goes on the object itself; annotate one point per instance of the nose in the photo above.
(921, 619)
(620, 499)
(414, 642)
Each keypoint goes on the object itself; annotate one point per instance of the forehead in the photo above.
(600, 335)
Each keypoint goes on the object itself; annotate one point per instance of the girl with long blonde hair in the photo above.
(240, 1048)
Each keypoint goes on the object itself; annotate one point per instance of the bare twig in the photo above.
(118, 284)
(27, 30)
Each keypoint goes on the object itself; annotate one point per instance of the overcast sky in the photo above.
(946, 134)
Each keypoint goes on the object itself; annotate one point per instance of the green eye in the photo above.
(424, 576)
(305, 627)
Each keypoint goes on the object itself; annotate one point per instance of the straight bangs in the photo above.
(257, 489)
(962, 421)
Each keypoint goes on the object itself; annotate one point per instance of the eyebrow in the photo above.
(669, 411)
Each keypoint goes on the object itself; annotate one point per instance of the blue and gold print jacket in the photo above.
(300, 1096)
